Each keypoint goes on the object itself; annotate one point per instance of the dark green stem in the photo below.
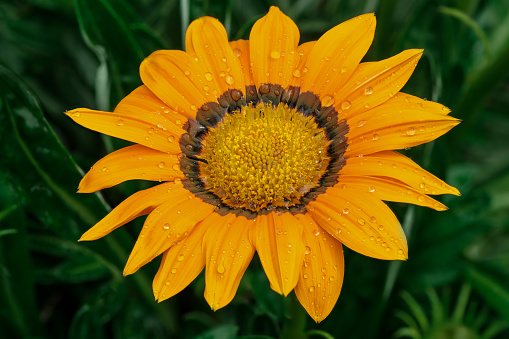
(294, 325)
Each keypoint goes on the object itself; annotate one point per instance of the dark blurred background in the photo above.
(56, 55)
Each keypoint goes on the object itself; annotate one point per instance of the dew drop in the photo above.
(237, 52)
(296, 73)
(308, 249)
(208, 76)
(368, 90)
(175, 167)
(161, 165)
(327, 101)
(361, 222)
(410, 131)
(420, 198)
(229, 80)
(346, 105)
(343, 69)
(166, 226)
(371, 189)
(311, 289)
(346, 210)
(361, 123)
(120, 122)
(316, 232)
(400, 251)
(376, 137)
(275, 55)
(180, 257)
(173, 270)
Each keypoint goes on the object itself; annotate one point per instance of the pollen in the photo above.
(263, 156)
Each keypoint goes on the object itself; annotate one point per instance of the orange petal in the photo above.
(373, 83)
(361, 222)
(241, 50)
(180, 265)
(206, 39)
(322, 272)
(273, 47)
(228, 252)
(392, 125)
(304, 50)
(336, 54)
(388, 190)
(136, 119)
(395, 165)
(138, 204)
(128, 163)
(164, 227)
(278, 241)
(179, 80)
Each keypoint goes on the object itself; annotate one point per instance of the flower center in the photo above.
(263, 155)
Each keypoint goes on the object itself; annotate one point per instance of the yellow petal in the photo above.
(298, 73)
(138, 204)
(140, 118)
(166, 226)
(322, 272)
(336, 54)
(388, 190)
(395, 165)
(228, 252)
(273, 47)
(180, 265)
(241, 50)
(179, 80)
(278, 241)
(207, 40)
(361, 222)
(129, 163)
(393, 126)
(373, 83)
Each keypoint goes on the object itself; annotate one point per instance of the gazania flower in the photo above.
(267, 146)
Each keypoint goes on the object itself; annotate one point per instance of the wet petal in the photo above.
(129, 163)
(361, 222)
(241, 50)
(228, 252)
(278, 241)
(395, 165)
(273, 47)
(304, 50)
(322, 272)
(140, 118)
(180, 265)
(336, 54)
(206, 39)
(396, 124)
(138, 204)
(166, 226)
(373, 83)
(388, 190)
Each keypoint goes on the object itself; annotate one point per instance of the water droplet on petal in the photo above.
(229, 80)
(120, 122)
(368, 90)
(410, 131)
(343, 69)
(361, 222)
(346, 210)
(237, 52)
(346, 105)
(327, 101)
(275, 55)
(296, 73)
(361, 123)
(208, 76)
(221, 269)
(161, 165)
(180, 257)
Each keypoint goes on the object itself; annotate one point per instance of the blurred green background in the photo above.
(56, 55)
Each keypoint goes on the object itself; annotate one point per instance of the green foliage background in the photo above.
(56, 55)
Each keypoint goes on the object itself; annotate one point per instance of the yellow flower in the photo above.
(269, 146)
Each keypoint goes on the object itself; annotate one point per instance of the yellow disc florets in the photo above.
(264, 156)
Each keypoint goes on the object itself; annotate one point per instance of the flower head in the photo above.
(267, 146)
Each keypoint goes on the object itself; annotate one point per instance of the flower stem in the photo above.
(294, 325)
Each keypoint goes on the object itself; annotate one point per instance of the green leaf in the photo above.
(494, 290)
(220, 332)
(118, 37)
